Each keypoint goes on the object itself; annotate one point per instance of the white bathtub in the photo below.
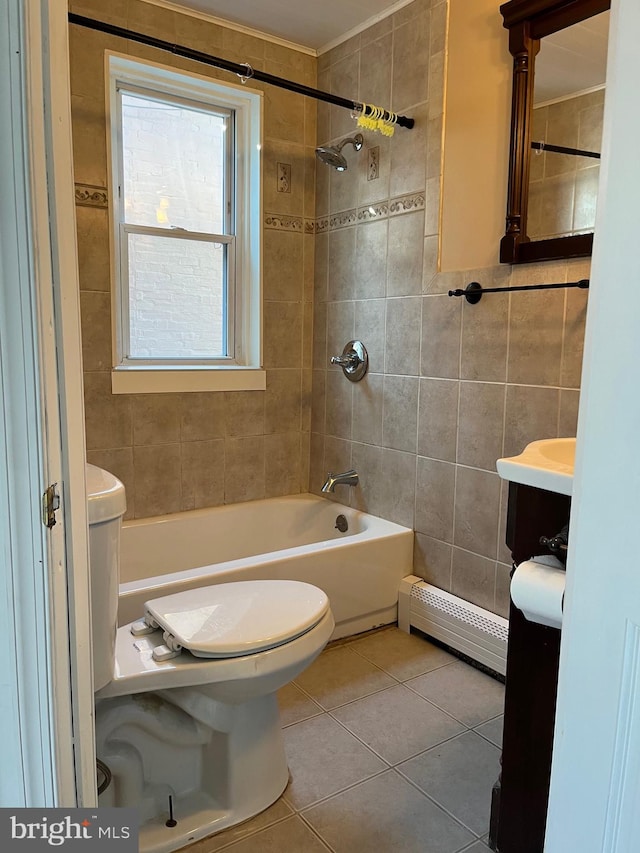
(292, 538)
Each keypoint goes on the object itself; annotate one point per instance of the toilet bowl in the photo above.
(186, 711)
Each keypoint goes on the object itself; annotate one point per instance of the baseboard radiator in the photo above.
(471, 630)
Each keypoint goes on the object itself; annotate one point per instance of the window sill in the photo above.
(161, 380)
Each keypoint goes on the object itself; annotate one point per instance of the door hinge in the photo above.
(50, 505)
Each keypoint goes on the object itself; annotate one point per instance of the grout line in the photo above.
(488, 740)
(490, 720)
(419, 377)
(551, 387)
(504, 411)
(310, 826)
(417, 675)
(390, 766)
(442, 808)
(350, 701)
(450, 713)
(326, 358)
(250, 834)
(462, 313)
(444, 711)
(324, 799)
(502, 509)
(509, 318)
(364, 696)
(470, 467)
(455, 484)
(466, 551)
(321, 711)
(470, 847)
(382, 670)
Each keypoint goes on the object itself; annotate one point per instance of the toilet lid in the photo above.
(233, 619)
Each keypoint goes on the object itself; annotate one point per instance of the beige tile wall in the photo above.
(180, 451)
(451, 386)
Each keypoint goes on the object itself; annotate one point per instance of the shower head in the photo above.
(332, 157)
(331, 154)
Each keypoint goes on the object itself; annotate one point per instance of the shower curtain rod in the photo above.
(243, 70)
(561, 149)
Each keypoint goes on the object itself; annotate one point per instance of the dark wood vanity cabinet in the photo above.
(519, 802)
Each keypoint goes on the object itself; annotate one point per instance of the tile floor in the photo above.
(393, 745)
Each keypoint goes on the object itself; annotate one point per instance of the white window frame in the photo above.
(227, 238)
(243, 369)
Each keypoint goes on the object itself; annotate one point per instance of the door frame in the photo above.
(47, 582)
(595, 776)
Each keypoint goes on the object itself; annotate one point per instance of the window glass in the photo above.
(174, 163)
(177, 305)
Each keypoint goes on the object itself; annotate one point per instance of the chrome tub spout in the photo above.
(348, 478)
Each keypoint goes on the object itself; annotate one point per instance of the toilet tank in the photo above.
(106, 506)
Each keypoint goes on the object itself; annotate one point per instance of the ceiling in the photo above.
(313, 25)
(572, 60)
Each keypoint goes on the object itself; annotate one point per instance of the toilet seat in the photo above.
(233, 619)
(138, 671)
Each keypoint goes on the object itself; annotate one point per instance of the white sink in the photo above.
(546, 464)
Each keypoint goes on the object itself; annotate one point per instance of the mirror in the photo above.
(566, 130)
(559, 50)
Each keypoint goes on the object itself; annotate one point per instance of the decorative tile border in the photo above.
(406, 204)
(373, 211)
(277, 222)
(369, 212)
(88, 195)
(342, 219)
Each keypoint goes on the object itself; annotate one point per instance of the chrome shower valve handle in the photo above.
(354, 360)
(348, 360)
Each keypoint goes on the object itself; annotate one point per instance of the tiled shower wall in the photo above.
(179, 451)
(451, 387)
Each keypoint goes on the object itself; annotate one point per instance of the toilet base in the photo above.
(222, 763)
(199, 817)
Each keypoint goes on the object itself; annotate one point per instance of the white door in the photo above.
(595, 783)
(46, 697)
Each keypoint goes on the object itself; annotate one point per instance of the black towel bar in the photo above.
(474, 290)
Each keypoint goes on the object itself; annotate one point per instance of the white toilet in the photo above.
(186, 702)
